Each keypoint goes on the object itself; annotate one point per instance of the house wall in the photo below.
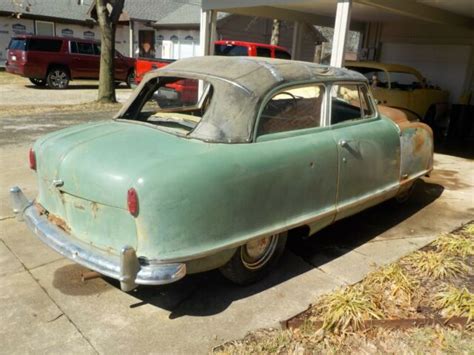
(169, 43)
(11, 26)
(443, 54)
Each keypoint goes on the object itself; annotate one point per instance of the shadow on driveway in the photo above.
(209, 293)
(73, 86)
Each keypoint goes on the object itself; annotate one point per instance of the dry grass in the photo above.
(455, 245)
(346, 309)
(436, 265)
(7, 78)
(469, 230)
(455, 302)
(394, 278)
(386, 293)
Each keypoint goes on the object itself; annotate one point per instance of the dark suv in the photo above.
(54, 61)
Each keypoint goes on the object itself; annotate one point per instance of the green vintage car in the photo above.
(211, 162)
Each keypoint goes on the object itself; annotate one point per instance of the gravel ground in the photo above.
(17, 92)
(21, 129)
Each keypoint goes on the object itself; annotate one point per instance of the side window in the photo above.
(264, 52)
(282, 54)
(85, 48)
(73, 47)
(230, 50)
(293, 109)
(44, 45)
(367, 107)
(350, 102)
(97, 49)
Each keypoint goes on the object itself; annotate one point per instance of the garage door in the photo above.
(443, 65)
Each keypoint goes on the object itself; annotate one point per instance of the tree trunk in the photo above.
(107, 23)
(275, 32)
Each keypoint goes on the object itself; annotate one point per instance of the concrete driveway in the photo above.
(46, 307)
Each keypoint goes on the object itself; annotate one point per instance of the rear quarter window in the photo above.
(282, 54)
(44, 45)
(264, 52)
(230, 50)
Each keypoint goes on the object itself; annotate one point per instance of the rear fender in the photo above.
(416, 144)
(416, 141)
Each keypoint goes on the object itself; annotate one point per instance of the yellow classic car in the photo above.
(404, 87)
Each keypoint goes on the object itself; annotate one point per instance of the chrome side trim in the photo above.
(367, 198)
(124, 267)
(390, 190)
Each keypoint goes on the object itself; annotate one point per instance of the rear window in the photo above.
(44, 45)
(17, 43)
(172, 104)
(264, 52)
(230, 50)
(282, 54)
(82, 48)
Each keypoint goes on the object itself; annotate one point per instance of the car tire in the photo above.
(57, 78)
(38, 82)
(254, 260)
(405, 195)
(131, 79)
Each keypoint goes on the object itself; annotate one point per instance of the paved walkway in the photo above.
(46, 308)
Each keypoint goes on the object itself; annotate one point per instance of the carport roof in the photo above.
(322, 12)
(65, 9)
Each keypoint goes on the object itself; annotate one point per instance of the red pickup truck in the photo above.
(222, 47)
(54, 61)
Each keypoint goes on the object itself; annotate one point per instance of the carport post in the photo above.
(130, 38)
(341, 26)
(297, 40)
(207, 32)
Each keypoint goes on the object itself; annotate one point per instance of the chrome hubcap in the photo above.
(256, 253)
(58, 78)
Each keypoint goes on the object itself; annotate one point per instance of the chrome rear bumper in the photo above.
(126, 267)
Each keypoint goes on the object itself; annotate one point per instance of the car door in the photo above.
(298, 158)
(368, 149)
(121, 66)
(85, 61)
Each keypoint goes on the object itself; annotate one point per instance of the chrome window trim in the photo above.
(287, 86)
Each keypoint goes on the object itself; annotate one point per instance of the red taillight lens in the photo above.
(32, 159)
(132, 202)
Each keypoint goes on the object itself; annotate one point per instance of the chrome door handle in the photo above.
(343, 143)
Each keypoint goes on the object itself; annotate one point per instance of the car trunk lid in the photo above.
(85, 172)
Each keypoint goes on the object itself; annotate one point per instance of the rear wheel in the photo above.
(405, 195)
(38, 82)
(58, 78)
(254, 260)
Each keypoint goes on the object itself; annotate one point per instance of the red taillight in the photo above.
(32, 159)
(132, 202)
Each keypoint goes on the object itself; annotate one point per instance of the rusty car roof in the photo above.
(239, 86)
(259, 74)
(390, 67)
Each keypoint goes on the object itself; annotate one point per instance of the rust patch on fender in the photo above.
(94, 209)
(41, 210)
(419, 141)
(61, 223)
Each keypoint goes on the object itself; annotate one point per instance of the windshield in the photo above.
(404, 81)
(17, 43)
(172, 104)
(398, 80)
